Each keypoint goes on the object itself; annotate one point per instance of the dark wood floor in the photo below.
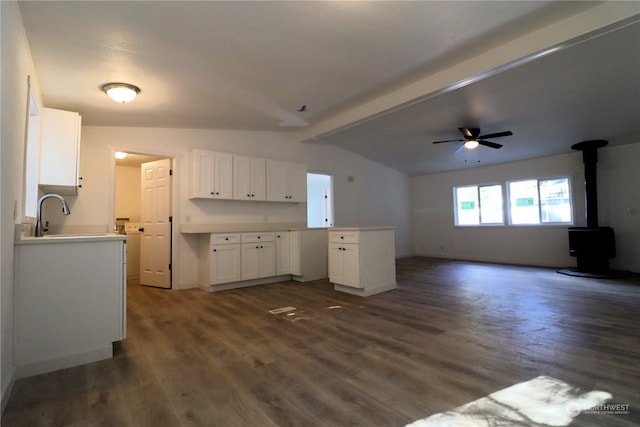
(451, 332)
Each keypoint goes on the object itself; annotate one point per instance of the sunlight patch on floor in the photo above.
(542, 401)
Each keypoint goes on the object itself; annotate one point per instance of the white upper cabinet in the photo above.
(286, 181)
(225, 176)
(60, 152)
(211, 175)
(249, 178)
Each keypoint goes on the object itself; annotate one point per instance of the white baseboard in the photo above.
(6, 393)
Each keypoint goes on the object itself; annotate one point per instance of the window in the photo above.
(479, 205)
(32, 155)
(535, 201)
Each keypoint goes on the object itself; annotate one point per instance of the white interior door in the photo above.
(155, 233)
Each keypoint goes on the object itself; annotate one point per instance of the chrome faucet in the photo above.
(40, 229)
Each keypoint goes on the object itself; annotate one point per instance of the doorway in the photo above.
(319, 200)
(143, 194)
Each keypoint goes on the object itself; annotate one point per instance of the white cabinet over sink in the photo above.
(60, 152)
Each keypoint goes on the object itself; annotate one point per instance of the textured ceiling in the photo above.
(376, 77)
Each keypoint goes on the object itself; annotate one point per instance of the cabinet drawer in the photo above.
(258, 237)
(345, 237)
(224, 238)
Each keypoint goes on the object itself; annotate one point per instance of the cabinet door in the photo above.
(223, 176)
(336, 263)
(259, 179)
(286, 182)
(202, 174)
(267, 259)
(283, 253)
(351, 272)
(277, 181)
(60, 151)
(249, 178)
(295, 249)
(225, 264)
(297, 177)
(242, 178)
(250, 261)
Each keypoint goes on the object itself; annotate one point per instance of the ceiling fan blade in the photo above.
(496, 135)
(470, 133)
(460, 149)
(489, 144)
(448, 140)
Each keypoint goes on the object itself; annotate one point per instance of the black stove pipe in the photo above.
(590, 159)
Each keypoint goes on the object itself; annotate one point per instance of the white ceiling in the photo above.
(382, 79)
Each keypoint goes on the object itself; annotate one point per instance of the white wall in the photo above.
(376, 196)
(127, 193)
(618, 191)
(16, 66)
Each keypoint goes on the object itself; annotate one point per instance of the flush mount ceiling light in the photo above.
(121, 155)
(121, 92)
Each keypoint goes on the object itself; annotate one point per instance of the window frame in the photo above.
(480, 223)
(541, 223)
(507, 220)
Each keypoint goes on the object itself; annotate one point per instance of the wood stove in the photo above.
(592, 245)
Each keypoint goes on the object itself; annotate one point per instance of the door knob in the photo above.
(141, 229)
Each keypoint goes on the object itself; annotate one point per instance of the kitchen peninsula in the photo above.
(362, 259)
(70, 300)
(357, 260)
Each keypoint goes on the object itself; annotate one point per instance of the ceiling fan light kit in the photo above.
(471, 144)
(122, 93)
(472, 139)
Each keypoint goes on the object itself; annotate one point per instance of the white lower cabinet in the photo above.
(225, 264)
(344, 264)
(70, 302)
(219, 258)
(283, 253)
(230, 260)
(258, 260)
(362, 260)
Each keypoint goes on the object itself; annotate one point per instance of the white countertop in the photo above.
(340, 229)
(69, 238)
(239, 228)
(250, 227)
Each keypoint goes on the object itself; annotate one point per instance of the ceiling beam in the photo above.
(600, 19)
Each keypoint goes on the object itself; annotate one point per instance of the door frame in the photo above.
(175, 206)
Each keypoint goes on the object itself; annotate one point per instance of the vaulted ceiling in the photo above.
(382, 79)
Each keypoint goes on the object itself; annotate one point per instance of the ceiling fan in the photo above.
(472, 139)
